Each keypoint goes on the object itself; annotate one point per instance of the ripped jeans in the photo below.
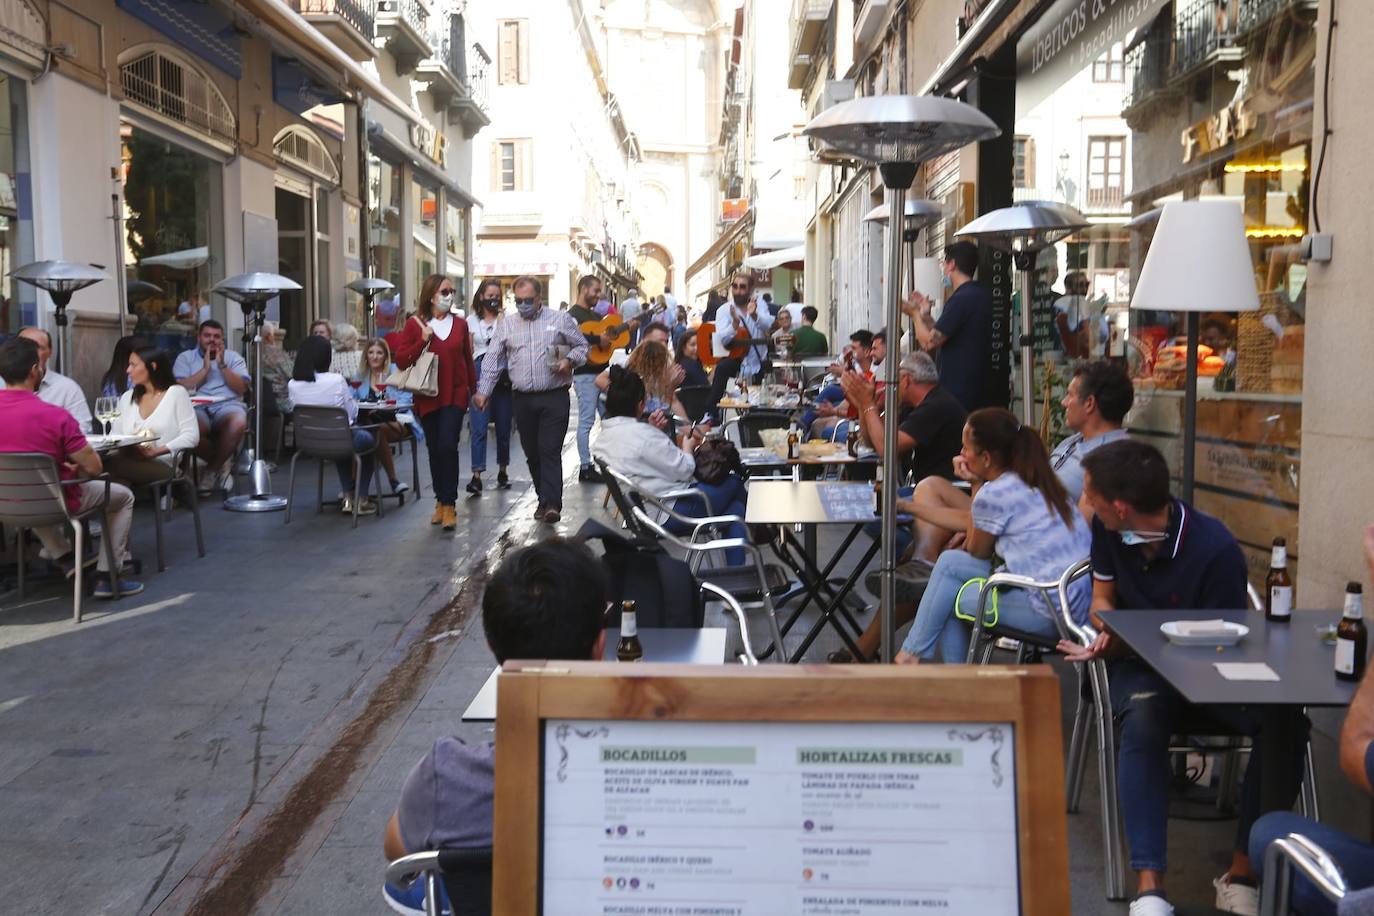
(1150, 712)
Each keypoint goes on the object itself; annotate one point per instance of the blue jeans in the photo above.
(833, 394)
(1150, 712)
(727, 498)
(588, 409)
(498, 409)
(363, 441)
(1356, 859)
(936, 625)
(443, 427)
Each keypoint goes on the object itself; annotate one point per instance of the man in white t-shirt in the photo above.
(55, 388)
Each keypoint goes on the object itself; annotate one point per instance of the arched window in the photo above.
(167, 85)
(299, 147)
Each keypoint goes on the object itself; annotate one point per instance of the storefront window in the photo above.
(17, 302)
(384, 236)
(424, 205)
(172, 218)
(455, 244)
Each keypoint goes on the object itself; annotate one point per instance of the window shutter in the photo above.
(1030, 163)
(523, 46)
(495, 166)
(508, 51)
(524, 166)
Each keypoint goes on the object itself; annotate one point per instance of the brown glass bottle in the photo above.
(629, 648)
(1351, 636)
(852, 441)
(878, 492)
(1278, 585)
(793, 444)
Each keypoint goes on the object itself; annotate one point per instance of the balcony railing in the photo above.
(805, 28)
(478, 72)
(357, 13)
(1099, 200)
(1204, 32)
(1148, 67)
(413, 12)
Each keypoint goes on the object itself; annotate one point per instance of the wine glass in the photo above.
(114, 408)
(104, 412)
(381, 390)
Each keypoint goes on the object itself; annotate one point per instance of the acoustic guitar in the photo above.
(608, 325)
(737, 350)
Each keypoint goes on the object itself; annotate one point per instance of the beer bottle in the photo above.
(1351, 636)
(852, 441)
(1278, 587)
(628, 649)
(878, 492)
(793, 444)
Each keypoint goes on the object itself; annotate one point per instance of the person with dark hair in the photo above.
(806, 340)
(655, 463)
(693, 373)
(29, 424)
(1018, 508)
(115, 381)
(739, 321)
(434, 327)
(589, 290)
(828, 418)
(547, 602)
(1099, 396)
(157, 407)
(486, 311)
(714, 301)
(55, 388)
(961, 340)
(1153, 552)
(540, 348)
(313, 385)
(215, 371)
(679, 318)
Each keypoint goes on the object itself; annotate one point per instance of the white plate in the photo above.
(1227, 634)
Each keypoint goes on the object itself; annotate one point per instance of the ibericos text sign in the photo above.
(1069, 36)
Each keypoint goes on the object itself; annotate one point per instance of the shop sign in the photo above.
(430, 142)
(1232, 123)
(733, 208)
(1069, 36)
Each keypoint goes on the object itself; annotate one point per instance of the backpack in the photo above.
(665, 592)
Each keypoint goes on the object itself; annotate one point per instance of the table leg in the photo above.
(832, 613)
(1282, 735)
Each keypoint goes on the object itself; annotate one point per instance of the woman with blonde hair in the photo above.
(377, 368)
(433, 327)
(653, 362)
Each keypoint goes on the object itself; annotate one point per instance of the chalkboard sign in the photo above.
(648, 790)
(1044, 335)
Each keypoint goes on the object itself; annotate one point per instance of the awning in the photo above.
(770, 259)
(385, 142)
(738, 230)
(189, 259)
(774, 242)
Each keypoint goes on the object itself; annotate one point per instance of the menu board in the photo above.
(686, 818)
(847, 502)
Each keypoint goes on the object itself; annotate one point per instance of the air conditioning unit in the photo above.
(835, 92)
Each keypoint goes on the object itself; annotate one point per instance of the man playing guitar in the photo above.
(584, 376)
(740, 322)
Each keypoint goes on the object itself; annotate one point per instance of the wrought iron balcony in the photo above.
(404, 26)
(350, 24)
(805, 29)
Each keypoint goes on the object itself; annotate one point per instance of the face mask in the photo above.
(492, 303)
(947, 281)
(526, 308)
(1136, 538)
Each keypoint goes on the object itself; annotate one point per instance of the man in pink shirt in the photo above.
(30, 425)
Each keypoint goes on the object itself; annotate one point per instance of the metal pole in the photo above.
(891, 465)
(1190, 410)
(120, 279)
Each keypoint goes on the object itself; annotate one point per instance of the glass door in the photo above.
(294, 259)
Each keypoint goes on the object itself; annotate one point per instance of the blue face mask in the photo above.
(1136, 538)
(526, 307)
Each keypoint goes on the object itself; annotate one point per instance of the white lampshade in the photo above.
(1199, 261)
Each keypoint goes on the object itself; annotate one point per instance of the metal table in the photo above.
(810, 504)
(705, 646)
(1301, 659)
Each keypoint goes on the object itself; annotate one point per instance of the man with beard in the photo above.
(738, 321)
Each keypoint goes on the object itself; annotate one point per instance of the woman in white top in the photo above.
(486, 311)
(157, 407)
(313, 385)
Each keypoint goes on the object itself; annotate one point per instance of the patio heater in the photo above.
(368, 288)
(252, 292)
(60, 279)
(898, 133)
(1198, 262)
(1025, 229)
(920, 214)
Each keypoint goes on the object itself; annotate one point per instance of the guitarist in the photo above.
(584, 376)
(738, 321)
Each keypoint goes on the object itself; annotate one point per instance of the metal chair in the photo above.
(716, 593)
(465, 873)
(1297, 851)
(324, 433)
(752, 424)
(31, 496)
(182, 476)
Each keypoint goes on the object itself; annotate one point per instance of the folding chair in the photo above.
(324, 433)
(465, 873)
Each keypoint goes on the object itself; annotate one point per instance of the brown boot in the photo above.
(438, 517)
(450, 518)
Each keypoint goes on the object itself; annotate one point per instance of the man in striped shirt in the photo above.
(539, 348)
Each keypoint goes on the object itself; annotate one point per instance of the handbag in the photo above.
(421, 378)
(715, 459)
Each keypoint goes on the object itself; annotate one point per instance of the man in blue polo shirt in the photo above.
(1150, 551)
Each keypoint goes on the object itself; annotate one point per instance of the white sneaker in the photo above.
(1233, 897)
(1151, 905)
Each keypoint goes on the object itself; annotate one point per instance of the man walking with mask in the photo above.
(540, 348)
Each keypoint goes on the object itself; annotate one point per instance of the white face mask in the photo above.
(443, 304)
(1136, 538)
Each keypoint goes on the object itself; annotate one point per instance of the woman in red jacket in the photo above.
(435, 328)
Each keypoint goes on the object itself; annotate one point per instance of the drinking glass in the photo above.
(104, 412)
(381, 390)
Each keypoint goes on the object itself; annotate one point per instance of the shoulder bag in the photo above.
(421, 378)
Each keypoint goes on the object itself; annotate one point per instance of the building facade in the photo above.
(177, 143)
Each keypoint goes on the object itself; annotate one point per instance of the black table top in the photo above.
(1302, 660)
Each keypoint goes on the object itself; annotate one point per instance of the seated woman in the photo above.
(1020, 509)
(652, 362)
(377, 368)
(313, 385)
(347, 358)
(156, 406)
(654, 463)
(693, 373)
(115, 381)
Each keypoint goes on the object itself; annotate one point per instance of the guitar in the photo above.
(596, 329)
(737, 350)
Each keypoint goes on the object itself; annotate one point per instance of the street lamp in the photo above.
(252, 291)
(1025, 229)
(60, 279)
(898, 133)
(368, 288)
(920, 214)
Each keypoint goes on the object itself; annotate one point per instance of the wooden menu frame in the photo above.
(1027, 697)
